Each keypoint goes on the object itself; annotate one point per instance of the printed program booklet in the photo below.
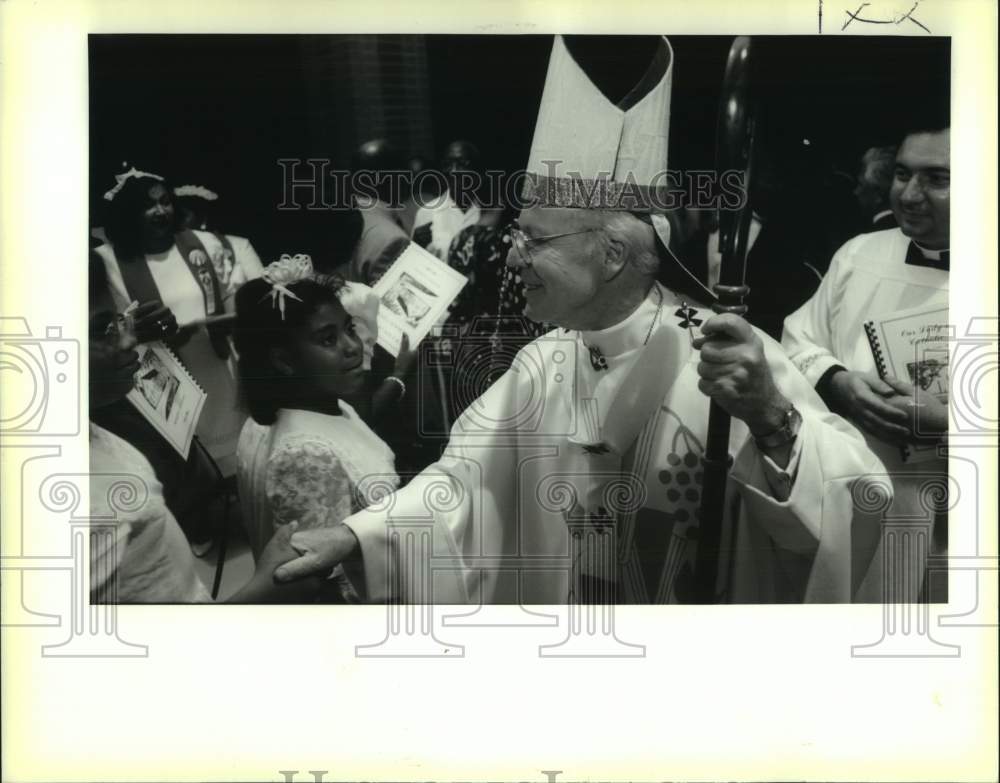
(167, 395)
(414, 295)
(913, 346)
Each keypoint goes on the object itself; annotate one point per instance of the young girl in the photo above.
(142, 556)
(314, 461)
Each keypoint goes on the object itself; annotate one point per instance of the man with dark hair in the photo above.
(874, 276)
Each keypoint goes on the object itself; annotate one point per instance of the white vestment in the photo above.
(525, 468)
(147, 559)
(868, 279)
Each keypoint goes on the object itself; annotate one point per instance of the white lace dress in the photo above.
(309, 467)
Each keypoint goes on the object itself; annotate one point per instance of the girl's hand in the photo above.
(405, 360)
(263, 588)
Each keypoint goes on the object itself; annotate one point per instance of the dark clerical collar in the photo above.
(921, 256)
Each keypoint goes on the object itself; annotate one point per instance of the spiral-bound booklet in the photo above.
(167, 396)
(913, 346)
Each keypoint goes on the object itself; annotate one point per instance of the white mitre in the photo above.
(588, 152)
(592, 153)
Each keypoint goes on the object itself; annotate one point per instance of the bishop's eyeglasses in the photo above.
(522, 243)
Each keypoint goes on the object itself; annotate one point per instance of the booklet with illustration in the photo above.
(414, 295)
(167, 396)
(913, 346)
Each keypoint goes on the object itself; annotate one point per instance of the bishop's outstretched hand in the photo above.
(319, 551)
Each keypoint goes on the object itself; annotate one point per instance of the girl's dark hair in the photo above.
(123, 221)
(260, 327)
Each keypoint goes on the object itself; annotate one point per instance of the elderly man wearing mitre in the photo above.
(600, 424)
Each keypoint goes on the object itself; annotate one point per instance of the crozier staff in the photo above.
(618, 397)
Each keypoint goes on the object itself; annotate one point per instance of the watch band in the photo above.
(785, 434)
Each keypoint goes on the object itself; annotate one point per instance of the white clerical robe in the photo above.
(569, 437)
(869, 278)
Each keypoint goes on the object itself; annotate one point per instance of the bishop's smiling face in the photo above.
(562, 270)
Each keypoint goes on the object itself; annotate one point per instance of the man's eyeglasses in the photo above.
(522, 242)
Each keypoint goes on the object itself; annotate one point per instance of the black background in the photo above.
(220, 110)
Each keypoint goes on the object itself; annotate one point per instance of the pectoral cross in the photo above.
(597, 360)
(687, 317)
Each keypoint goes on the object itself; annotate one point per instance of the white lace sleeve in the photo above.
(307, 483)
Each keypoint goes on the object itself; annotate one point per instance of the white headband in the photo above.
(197, 191)
(121, 179)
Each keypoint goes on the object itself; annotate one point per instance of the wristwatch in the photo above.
(785, 434)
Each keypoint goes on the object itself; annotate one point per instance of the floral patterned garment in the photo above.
(489, 312)
(480, 253)
(306, 482)
(312, 468)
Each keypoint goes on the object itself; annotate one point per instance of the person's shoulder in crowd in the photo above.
(379, 216)
(110, 454)
(885, 220)
(212, 238)
(875, 248)
(311, 433)
(153, 563)
(106, 253)
(245, 259)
